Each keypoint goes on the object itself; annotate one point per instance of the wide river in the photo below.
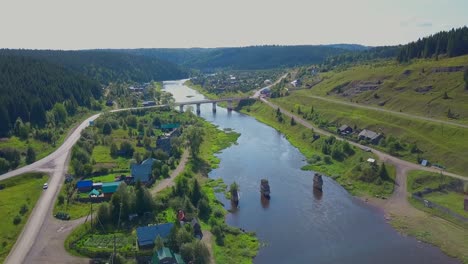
(298, 225)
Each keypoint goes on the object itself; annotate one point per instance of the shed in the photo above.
(108, 188)
(371, 160)
(147, 234)
(165, 256)
(424, 163)
(94, 193)
(345, 130)
(84, 186)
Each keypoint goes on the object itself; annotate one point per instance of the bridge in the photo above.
(210, 101)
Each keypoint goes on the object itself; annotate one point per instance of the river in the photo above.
(298, 225)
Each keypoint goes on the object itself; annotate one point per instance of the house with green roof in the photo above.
(109, 188)
(165, 256)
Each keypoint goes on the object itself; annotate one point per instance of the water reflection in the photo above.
(264, 201)
(317, 194)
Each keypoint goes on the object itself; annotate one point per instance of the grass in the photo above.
(442, 144)
(444, 231)
(215, 142)
(341, 171)
(75, 209)
(451, 200)
(18, 191)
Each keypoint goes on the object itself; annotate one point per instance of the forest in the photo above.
(30, 87)
(247, 58)
(452, 43)
(106, 66)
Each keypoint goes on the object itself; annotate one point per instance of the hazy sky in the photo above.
(84, 24)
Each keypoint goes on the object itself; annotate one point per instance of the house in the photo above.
(146, 235)
(94, 193)
(165, 256)
(84, 186)
(344, 130)
(149, 103)
(424, 163)
(370, 136)
(142, 172)
(97, 185)
(265, 91)
(169, 127)
(109, 188)
(296, 83)
(164, 142)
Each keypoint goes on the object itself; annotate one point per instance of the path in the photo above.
(161, 185)
(387, 111)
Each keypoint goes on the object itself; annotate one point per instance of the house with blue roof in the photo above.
(146, 235)
(84, 186)
(143, 171)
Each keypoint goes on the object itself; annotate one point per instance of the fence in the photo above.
(441, 208)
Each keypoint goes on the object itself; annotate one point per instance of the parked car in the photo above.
(62, 216)
(45, 186)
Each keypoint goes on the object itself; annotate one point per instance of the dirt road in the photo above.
(423, 118)
(170, 181)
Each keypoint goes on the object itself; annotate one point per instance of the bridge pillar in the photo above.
(181, 108)
(229, 106)
(198, 108)
(214, 107)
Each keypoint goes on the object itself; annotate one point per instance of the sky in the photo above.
(90, 24)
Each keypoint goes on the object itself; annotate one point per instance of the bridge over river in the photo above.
(211, 101)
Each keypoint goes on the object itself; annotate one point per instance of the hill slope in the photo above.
(247, 58)
(106, 66)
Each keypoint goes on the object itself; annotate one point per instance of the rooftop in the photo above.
(147, 234)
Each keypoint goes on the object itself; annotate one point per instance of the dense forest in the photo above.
(247, 58)
(30, 87)
(452, 43)
(384, 52)
(106, 66)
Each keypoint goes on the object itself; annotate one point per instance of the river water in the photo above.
(298, 225)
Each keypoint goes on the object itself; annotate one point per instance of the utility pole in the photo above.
(118, 225)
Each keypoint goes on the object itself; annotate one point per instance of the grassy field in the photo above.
(451, 200)
(341, 171)
(18, 198)
(411, 88)
(442, 144)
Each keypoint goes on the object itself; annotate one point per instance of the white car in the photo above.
(45, 186)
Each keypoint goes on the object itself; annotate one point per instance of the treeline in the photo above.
(452, 43)
(106, 66)
(246, 58)
(30, 88)
(384, 52)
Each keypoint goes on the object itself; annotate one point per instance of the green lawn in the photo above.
(419, 180)
(19, 191)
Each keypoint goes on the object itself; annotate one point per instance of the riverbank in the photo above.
(400, 213)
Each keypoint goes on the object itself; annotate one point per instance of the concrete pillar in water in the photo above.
(181, 108)
(229, 106)
(214, 107)
(198, 108)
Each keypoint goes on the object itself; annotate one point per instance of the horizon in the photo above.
(85, 25)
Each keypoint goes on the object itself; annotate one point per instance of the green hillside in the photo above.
(422, 88)
(419, 87)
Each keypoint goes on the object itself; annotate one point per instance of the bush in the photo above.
(23, 209)
(17, 220)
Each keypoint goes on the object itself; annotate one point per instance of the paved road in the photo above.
(423, 118)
